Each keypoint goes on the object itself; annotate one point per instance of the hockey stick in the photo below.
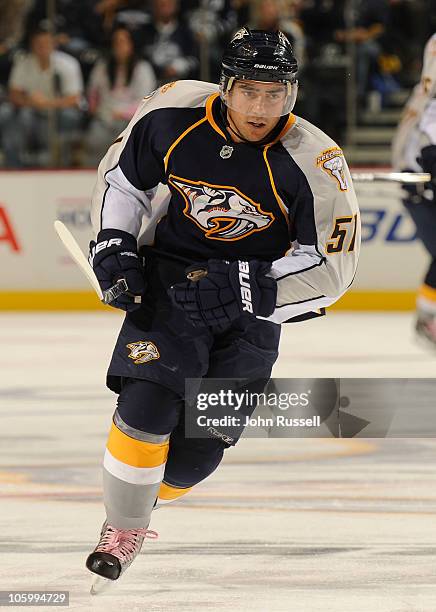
(391, 177)
(76, 253)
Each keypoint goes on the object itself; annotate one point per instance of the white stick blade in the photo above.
(76, 253)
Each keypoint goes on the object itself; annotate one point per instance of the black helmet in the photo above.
(258, 55)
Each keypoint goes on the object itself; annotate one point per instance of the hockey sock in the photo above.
(133, 469)
(169, 493)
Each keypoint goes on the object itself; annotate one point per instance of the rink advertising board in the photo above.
(36, 272)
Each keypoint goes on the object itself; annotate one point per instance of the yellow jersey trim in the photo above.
(209, 114)
(289, 123)
(273, 185)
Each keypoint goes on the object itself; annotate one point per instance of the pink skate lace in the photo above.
(431, 327)
(123, 543)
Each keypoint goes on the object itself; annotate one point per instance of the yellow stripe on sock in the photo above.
(427, 292)
(135, 452)
(167, 492)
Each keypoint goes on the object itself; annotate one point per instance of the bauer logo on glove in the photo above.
(99, 246)
(114, 256)
(244, 281)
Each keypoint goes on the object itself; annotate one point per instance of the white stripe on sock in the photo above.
(134, 475)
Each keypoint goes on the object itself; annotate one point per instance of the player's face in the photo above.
(255, 108)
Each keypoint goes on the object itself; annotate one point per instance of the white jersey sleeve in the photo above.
(406, 145)
(321, 265)
(116, 202)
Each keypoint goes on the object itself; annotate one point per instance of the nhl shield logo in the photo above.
(226, 152)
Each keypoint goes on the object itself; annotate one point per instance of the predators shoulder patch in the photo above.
(332, 162)
(143, 351)
(167, 86)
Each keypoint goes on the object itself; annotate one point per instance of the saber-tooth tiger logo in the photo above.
(332, 162)
(223, 213)
(143, 351)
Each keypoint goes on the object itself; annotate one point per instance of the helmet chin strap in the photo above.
(236, 132)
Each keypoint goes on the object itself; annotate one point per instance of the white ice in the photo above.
(296, 525)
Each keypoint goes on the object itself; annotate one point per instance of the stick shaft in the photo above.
(76, 253)
(391, 177)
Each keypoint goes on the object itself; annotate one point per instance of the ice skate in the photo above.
(114, 553)
(426, 329)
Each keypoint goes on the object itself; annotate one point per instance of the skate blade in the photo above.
(100, 585)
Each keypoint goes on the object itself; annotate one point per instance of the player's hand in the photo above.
(428, 161)
(114, 255)
(228, 290)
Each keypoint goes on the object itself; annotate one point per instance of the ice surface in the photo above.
(299, 524)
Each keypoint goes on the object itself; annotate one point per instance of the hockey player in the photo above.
(414, 149)
(262, 216)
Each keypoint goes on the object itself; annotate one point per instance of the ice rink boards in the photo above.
(299, 525)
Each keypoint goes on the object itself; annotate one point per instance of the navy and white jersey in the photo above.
(417, 127)
(176, 180)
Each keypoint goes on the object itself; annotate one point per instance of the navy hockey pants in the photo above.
(158, 349)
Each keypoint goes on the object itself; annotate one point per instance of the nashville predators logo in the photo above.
(167, 86)
(223, 213)
(332, 162)
(240, 34)
(142, 352)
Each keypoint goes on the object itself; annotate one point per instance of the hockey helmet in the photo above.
(259, 56)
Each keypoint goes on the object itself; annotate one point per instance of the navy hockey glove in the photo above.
(226, 291)
(114, 255)
(428, 161)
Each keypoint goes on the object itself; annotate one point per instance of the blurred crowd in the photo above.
(70, 82)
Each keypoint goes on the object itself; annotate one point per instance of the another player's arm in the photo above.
(326, 242)
(424, 91)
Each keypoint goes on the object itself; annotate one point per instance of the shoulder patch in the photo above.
(167, 86)
(332, 162)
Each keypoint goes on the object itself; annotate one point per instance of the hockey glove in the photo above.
(113, 256)
(428, 161)
(226, 291)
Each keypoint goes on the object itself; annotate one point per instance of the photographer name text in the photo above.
(244, 421)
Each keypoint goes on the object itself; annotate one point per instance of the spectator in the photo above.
(116, 86)
(322, 92)
(83, 25)
(44, 84)
(12, 22)
(212, 22)
(170, 46)
(320, 19)
(243, 11)
(371, 21)
(268, 15)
